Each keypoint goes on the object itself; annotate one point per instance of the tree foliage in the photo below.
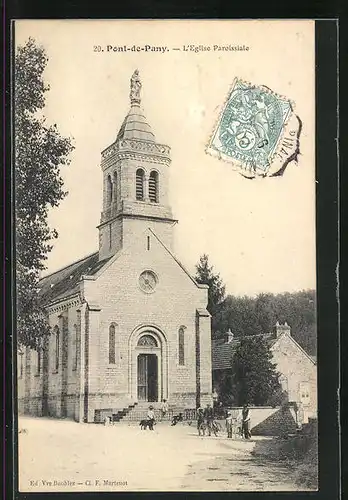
(40, 151)
(205, 275)
(247, 316)
(257, 380)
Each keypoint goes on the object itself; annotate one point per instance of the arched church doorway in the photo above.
(147, 377)
(148, 357)
(148, 369)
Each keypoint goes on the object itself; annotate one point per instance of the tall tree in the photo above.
(40, 151)
(256, 377)
(205, 275)
(252, 315)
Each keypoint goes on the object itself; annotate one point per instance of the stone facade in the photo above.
(128, 323)
(298, 370)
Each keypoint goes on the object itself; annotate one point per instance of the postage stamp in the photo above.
(251, 128)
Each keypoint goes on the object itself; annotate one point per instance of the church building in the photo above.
(129, 323)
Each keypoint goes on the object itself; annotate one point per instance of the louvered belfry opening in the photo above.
(139, 184)
(109, 190)
(153, 187)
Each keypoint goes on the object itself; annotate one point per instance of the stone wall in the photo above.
(268, 421)
(297, 370)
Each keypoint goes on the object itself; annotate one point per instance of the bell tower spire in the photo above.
(135, 171)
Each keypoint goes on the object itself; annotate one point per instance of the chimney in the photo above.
(280, 329)
(229, 336)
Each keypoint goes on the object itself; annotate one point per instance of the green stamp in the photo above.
(250, 127)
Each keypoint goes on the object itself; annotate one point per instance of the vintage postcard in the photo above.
(166, 257)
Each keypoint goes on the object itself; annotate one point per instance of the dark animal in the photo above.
(144, 424)
(177, 418)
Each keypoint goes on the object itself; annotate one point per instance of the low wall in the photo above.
(269, 421)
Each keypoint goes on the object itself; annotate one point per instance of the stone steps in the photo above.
(136, 411)
(114, 414)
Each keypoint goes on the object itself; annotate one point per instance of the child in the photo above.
(164, 409)
(200, 422)
(151, 417)
(229, 424)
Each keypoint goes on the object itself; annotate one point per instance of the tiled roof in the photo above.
(222, 353)
(65, 282)
(135, 126)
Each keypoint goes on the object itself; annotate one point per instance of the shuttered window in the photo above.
(109, 188)
(153, 187)
(139, 184)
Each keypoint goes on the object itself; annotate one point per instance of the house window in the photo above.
(74, 347)
(112, 344)
(305, 393)
(109, 189)
(283, 380)
(139, 184)
(153, 187)
(181, 345)
(56, 350)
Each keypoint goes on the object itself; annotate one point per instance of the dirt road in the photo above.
(60, 455)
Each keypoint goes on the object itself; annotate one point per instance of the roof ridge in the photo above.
(175, 258)
(68, 265)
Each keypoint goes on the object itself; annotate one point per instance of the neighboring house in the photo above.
(129, 322)
(298, 370)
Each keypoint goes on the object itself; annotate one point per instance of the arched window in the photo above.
(74, 348)
(112, 344)
(38, 361)
(153, 187)
(139, 184)
(56, 348)
(109, 188)
(115, 187)
(182, 345)
(147, 341)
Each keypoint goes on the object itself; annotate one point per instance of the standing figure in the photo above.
(246, 422)
(215, 398)
(151, 417)
(164, 409)
(200, 422)
(209, 418)
(229, 424)
(135, 87)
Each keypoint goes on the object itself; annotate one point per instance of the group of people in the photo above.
(240, 424)
(205, 420)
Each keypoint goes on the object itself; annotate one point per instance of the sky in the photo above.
(259, 234)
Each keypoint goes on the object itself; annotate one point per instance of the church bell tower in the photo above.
(135, 182)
